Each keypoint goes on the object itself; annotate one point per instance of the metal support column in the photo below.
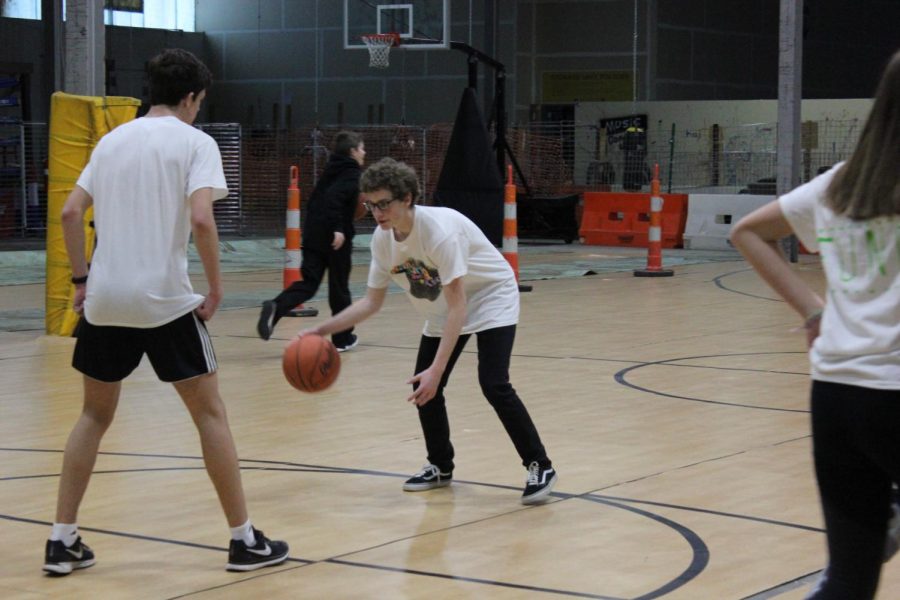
(790, 95)
(85, 43)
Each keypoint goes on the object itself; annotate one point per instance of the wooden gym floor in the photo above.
(675, 411)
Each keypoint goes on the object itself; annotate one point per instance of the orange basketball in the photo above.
(361, 209)
(311, 363)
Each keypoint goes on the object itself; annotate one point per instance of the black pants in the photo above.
(494, 351)
(315, 262)
(856, 446)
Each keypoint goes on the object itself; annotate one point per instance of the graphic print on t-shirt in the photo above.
(424, 281)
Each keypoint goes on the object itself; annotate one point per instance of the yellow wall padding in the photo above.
(76, 125)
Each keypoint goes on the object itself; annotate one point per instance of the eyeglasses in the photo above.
(381, 205)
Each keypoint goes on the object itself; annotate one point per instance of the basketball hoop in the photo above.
(379, 45)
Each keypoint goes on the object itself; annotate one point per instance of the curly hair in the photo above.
(389, 174)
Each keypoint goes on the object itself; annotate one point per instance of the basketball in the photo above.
(360, 208)
(311, 363)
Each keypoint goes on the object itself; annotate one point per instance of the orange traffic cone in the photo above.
(292, 254)
(654, 237)
(510, 228)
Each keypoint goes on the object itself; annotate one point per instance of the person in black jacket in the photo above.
(327, 240)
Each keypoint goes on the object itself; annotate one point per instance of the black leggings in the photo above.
(494, 351)
(338, 263)
(856, 446)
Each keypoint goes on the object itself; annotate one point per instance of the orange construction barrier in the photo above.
(510, 228)
(654, 234)
(292, 254)
(623, 219)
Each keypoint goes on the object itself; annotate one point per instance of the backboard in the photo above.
(413, 20)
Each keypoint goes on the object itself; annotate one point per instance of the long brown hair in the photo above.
(868, 185)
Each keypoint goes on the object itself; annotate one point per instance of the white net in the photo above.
(379, 45)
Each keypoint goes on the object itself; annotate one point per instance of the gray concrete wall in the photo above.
(563, 36)
(129, 48)
(20, 41)
(728, 49)
(291, 54)
(274, 52)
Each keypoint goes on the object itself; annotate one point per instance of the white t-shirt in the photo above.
(140, 177)
(442, 246)
(859, 343)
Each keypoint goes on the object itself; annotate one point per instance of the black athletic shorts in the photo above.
(178, 350)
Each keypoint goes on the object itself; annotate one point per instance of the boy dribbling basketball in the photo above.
(462, 285)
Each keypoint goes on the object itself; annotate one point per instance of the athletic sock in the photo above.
(65, 532)
(244, 533)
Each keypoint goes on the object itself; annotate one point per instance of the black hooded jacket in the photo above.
(332, 204)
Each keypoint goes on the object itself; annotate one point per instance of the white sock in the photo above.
(245, 533)
(66, 532)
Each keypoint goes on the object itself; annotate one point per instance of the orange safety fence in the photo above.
(623, 219)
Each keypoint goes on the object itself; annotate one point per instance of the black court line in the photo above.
(304, 468)
(719, 284)
(699, 550)
(740, 369)
(200, 458)
(151, 469)
(718, 513)
(635, 362)
(620, 378)
(787, 586)
(467, 350)
(698, 563)
(503, 584)
(276, 570)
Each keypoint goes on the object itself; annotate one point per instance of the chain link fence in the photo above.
(554, 159)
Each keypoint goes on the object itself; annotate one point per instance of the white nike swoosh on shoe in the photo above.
(78, 554)
(266, 552)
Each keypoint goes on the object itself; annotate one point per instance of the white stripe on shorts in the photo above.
(207, 345)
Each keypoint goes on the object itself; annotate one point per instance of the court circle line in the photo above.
(699, 549)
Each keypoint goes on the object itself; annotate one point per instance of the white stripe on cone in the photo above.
(292, 259)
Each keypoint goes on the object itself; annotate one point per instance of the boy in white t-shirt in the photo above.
(851, 215)
(152, 182)
(462, 285)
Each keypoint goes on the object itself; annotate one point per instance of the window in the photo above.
(21, 9)
(158, 14)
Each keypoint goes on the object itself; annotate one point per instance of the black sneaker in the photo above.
(266, 324)
(60, 559)
(353, 343)
(264, 553)
(539, 483)
(428, 478)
